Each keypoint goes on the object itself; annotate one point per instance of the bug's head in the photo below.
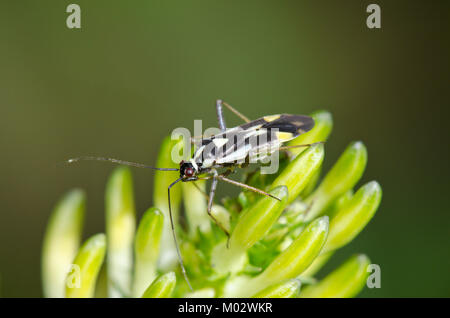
(187, 171)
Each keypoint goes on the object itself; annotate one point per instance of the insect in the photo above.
(231, 148)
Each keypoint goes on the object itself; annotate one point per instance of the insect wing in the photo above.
(250, 140)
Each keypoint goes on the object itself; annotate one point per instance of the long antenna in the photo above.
(180, 259)
(122, 162)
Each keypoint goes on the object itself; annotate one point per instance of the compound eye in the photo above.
(189, 172)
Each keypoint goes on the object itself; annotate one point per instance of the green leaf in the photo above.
(287, 289)
(162, 180)
(61, 241)
(354, 216)
(320, 132)
(342, 177)
(346, 281)
(162, 287)
(299, 172)
(146, 248)
(120, 230)
(80, 282)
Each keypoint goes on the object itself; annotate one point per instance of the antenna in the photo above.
(118, 161)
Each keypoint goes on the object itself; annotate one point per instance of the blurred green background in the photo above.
(138, 69)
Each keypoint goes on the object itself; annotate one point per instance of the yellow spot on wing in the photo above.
(271, 118)
(284, 136)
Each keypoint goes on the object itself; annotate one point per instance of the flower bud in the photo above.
(146, 248)
(286, 289)
(162, 180)
(346, 281)
(61, 241)
(120, 230)
(162, 287)
(353, 216)
(252, 225)
(81, 280)
(342, 177)
(323, 124)
(290, 263)
(299, 172)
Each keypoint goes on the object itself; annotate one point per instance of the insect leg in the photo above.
(210, 202)
(237, 113)
(246, 186)
(298, 146)
(180, 259)
(220, 117)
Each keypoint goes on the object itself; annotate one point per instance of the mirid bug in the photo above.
(219, 155)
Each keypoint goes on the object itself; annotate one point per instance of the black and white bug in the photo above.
(219, 155)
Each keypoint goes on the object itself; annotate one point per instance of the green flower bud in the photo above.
(300, 254)
(340, 202)
(287, 289)
(221, 215)
(346, 281)
(162, 180)
(253, 224)
(320, 132)
(299, 172)
(342, 177)
(312, 183)
(259, 218)
(317, 264)
(162, 287)
(201, 293)
(81, 280)
(120, 230)
(61, 241)
(294, 260)
(354, 216)
(195, 206)
(146, 248)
